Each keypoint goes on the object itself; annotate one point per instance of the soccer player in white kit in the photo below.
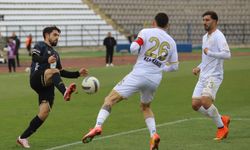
(156, 53)
(214, 50)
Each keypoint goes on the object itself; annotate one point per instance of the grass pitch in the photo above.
(180, 127)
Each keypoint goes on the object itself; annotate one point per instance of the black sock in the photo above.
(34, 125)
(56, 78)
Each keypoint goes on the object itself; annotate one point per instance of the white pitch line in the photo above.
(138, 130)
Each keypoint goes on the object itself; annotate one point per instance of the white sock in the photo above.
(203, 111)
(214, 114)
(151, 125)
(102, 116)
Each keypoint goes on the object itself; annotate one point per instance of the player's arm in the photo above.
(173, 63)
(169, 67)
(69, 74)
(224, 54)
(136, 45)
(65, 73)
(73, 74)
(37, 55)
(42, 59)
(196, 70)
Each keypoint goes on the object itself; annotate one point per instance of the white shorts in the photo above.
(207, 87)
(131, 84)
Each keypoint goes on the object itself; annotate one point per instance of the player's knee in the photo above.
(112, 99)
(195, 108)
(55, 71)
(145, 107)
(196, 104)
(51, 71)
(43, 114)
(44, 110)
(206, 102)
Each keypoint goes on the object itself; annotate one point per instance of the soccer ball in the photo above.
(90, 85)
(27, 69)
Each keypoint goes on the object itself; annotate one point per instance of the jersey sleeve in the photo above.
(174, 55)
(220, 55)
(36, 50)
(37, 54)
(224, 51)
(222, 43)
(141, 35)
(172, 64)
(136, 45)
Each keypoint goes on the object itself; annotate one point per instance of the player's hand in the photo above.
(52, 59)
(196, 71)
(206, 50)
(83, 72)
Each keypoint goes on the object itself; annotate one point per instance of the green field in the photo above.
(180, 127)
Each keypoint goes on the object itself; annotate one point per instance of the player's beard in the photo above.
(53, 43)
(207, 27)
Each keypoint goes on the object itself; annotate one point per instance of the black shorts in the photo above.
(45, 93)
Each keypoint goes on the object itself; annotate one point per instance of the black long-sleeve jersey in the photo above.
(40, 54)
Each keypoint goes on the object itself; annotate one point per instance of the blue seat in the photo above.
(184, 47)
(123, 48)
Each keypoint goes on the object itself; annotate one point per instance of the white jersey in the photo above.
(212, 63)
(158, 49)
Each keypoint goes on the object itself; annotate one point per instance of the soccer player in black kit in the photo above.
(46, 73)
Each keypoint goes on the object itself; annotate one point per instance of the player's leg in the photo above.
(212, 111)
(196, 98)
(209, 91)
(149, 118)
(46, 98)
(122, 90)
(38, 120)
(202, 98)
(113, 98)
(52, 76)
(197, 106)
(208, 97)
(221, 122)
(147, 91)
(150, 122)
(35, 123)
(103, 114)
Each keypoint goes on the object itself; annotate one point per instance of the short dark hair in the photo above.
(49, 30)
(161, 20)
(212, 14)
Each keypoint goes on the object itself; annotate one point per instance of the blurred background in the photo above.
(86, 22)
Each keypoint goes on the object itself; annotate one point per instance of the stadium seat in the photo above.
(76, 20)
(137, 12)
